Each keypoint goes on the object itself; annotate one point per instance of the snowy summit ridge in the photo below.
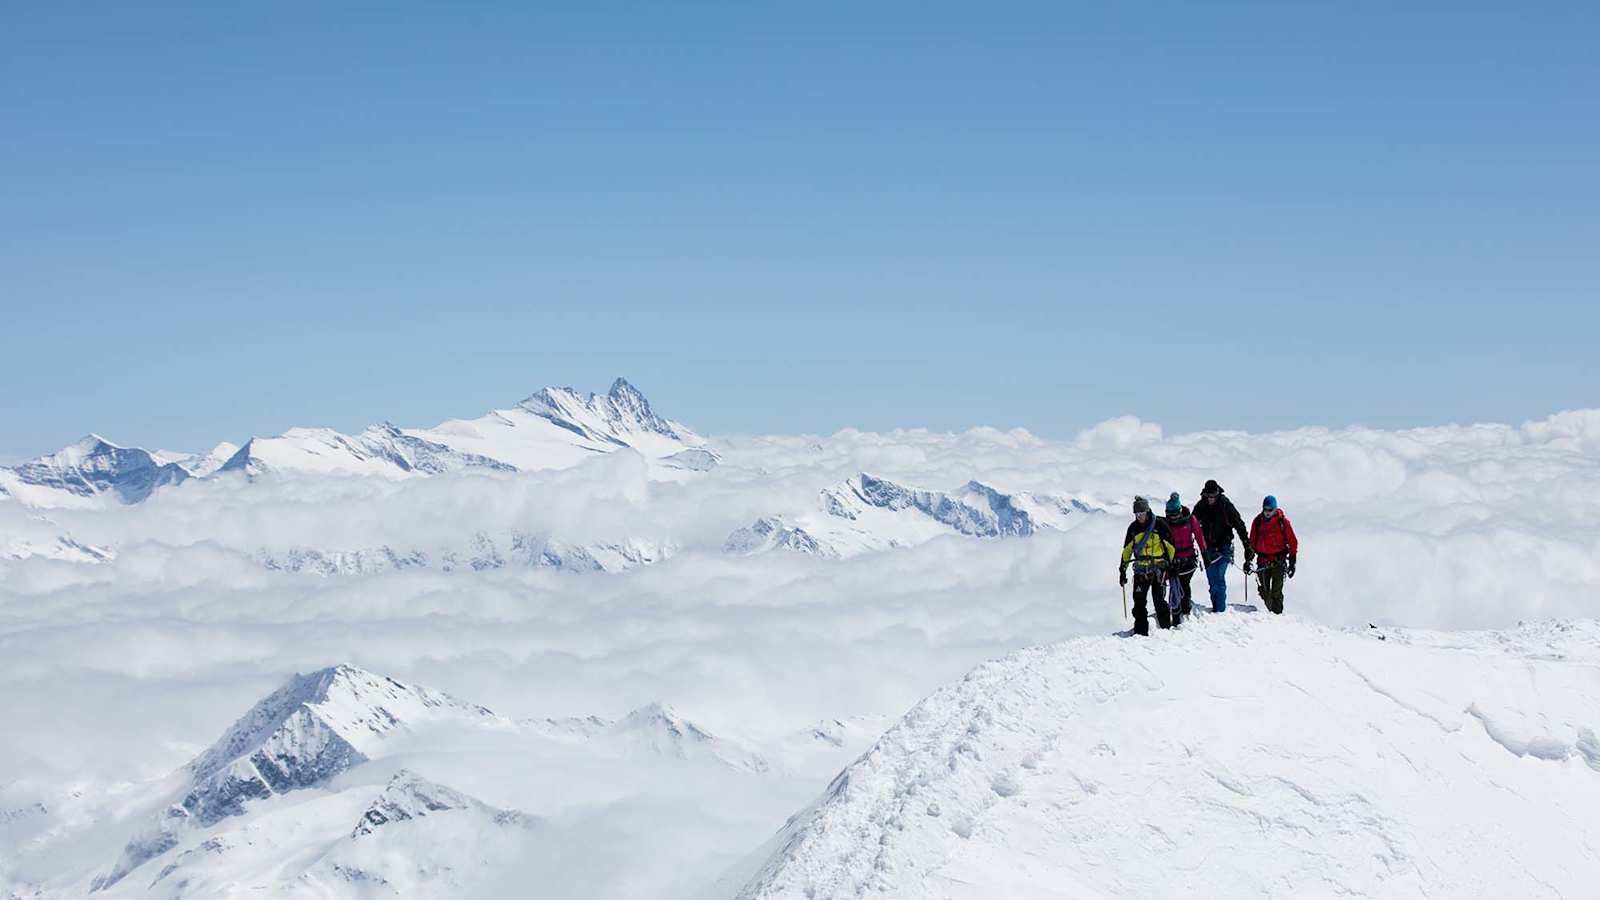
(1240, 756)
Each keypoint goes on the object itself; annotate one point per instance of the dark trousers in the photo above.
(1269, 583)
(1186, 568)
(1151, 585)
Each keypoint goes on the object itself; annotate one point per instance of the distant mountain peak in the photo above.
(659, 716)
(625, 396)
(663, 731)
(315, 726)
(76, 452)
(94, 467)
(770, 533)
(90, 443)
(354, 706)
(609, 418)
(409, 796)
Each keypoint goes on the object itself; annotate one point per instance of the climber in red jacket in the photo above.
(1272, 538)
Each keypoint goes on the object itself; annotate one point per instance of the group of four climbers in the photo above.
(1164, 553)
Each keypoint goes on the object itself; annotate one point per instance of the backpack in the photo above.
(1138, 546)
(1283, 531)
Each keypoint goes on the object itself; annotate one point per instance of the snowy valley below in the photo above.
(573, 648)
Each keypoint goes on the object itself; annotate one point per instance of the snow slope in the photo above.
(380, 450)
(1244, 755)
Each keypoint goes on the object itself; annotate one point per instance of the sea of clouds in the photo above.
(119, 672)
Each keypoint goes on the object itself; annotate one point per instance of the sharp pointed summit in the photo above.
(314, 727)
(622, 416)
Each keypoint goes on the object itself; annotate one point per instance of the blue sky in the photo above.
(216, 222)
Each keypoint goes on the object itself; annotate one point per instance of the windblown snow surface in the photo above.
(573, 649)
(1241, 756)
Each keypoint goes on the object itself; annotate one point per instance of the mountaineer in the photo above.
(1148, 548)
(1219, 519)
(1189, 539)
(1272, 538)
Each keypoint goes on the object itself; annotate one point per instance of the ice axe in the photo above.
(1124, 601)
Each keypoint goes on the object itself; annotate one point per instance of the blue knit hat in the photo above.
(1269, 503)
(1174, 505)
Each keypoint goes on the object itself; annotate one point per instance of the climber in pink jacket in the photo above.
(1190, 539)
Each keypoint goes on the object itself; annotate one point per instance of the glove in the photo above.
(1249, 566)
(1249, 557)
(1290, 573)
(1122, 575)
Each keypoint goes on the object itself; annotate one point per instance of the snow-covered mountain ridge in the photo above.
(552, 429)
(1240, 756)
(863, 514)
(867, 513)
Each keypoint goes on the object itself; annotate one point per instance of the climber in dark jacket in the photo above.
(1219, 520)
(1148, 548)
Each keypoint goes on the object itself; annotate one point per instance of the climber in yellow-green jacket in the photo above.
(1149, 549)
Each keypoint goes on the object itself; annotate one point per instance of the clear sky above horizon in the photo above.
(224, 220)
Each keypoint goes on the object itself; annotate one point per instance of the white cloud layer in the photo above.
(119, 671)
